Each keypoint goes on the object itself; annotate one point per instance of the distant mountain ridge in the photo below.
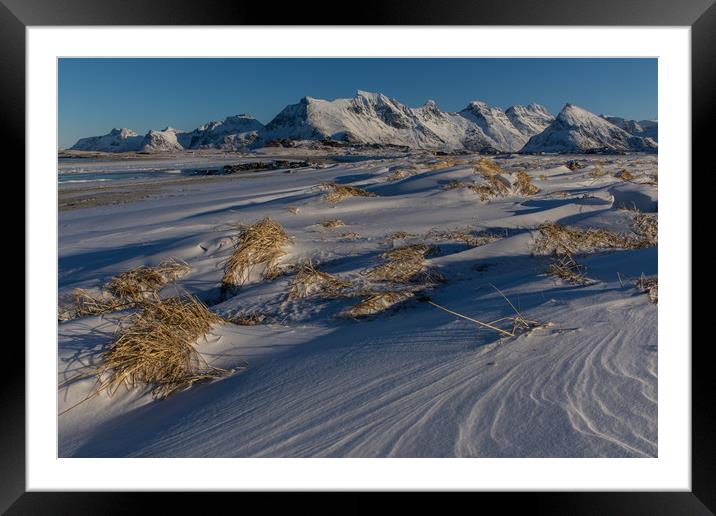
(376, 119)
(643, 128)
(577, 130)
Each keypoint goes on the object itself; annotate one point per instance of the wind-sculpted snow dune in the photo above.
(403, 312)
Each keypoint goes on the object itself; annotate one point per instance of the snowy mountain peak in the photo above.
(529, 120)
(371, 96)
(533, 106)
(231, 133)
(496, 125)
(577, 130)
(161, 141)
(430, 107)
(574, 114)
(117, 140)
(122, 132)
(477, 105)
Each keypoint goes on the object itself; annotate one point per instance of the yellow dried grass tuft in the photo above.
(497, 186)
(405, 264)
(397, 175)
(340, 192)
(597, 172)
(487, 167)
(263, 242)
(399, 235)
(524, 184)
(519, 324)
(453, 185)
(332, 223)
(85, 303)
(566, 267)
(126, 290)
(157, 348)
(446, 163)
(563, 240)
(624, 175)
(138, 284)
(310, 281)
(376, 303)
(650, 286)
(646, 227)
(465, 236)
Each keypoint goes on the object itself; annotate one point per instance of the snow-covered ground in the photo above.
(410, 382)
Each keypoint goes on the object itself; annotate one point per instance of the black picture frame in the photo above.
(700, 15)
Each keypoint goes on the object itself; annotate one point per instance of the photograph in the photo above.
(357, 257)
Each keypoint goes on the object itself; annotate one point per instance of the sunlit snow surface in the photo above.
(412, 382)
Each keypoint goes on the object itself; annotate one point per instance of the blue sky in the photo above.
(96, 95)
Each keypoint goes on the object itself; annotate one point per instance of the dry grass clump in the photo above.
(447, 163)
(486, 167)
(454, 185)
(399, 235)
(260, 243)
(157, 348)
(375, 304)
(487, 192)
(649, 286)
(624, 175)
(573, 165)
(570, 240)
(567, 268)
(339, 192)
(349, 235)
(466, 236)
(400, 253)
(85, 303)
(310, 281)
(404, 264)
(332, 223)
(543, 177)
(496, 187)
(524, 184)
(511, 326)
(397, 175)
(248, 319)
(597, 172)
(137, 284)
(126, 290)
(646, 227)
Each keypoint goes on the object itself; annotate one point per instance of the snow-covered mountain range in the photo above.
(643, 128)
(577, 130)
(373, 118)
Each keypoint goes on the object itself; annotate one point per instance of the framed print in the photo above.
(418, 252)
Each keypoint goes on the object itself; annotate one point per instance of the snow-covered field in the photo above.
(413, 381)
